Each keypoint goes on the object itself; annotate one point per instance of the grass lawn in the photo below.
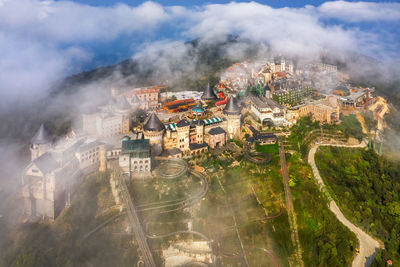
(270, 149)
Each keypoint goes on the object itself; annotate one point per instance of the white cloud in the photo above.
(290, 31)
(66, 21)
(41, 41)
(360, 11)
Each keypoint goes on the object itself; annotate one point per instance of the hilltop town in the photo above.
(140, 129)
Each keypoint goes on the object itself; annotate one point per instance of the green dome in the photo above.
(198, 109)
(126, 138)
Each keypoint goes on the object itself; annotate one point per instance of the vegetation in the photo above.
(350, 126)
(366, 186)
(249, 192)
(60, 243)
(299, 132)
(324, 240)
(269, 149)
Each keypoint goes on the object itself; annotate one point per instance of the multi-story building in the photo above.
(109, 121)
(280, 64)
(191, 137)
(217, 137)
(54, 172)
(267, 111)
(135, 156)
(292, 95)
(88, 153)
(318, 111)
(147, 95)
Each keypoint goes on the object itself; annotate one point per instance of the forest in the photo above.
(366, 186)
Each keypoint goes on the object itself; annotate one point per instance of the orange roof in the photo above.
(221, 85)
(182, 101)
(281, 74)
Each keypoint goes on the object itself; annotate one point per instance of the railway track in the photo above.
(147, 256)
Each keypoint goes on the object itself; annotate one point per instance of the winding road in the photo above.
(368, 245)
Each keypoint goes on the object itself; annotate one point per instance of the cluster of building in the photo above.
(108, 137)
(239, 76)
(113, 134)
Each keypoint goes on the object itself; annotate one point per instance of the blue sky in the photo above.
(120, 48)
(43, 41)
(273, 3)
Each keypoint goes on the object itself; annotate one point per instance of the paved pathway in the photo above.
(368, 245)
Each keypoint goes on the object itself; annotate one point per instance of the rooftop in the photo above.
(216, 131)
(263, 102)
(231, 108)
(182, 123)
(139, 148)
(209, 94)
(89, 144)
(153, 124)
(195, 146)
(46, 163)
(41, 136)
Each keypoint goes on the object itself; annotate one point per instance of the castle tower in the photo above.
(182, 130)
(209, 94)
(153, 130)
(40, 143)
(232, 115)
(199, 132)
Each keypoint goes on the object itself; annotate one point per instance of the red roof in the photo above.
(280, 74)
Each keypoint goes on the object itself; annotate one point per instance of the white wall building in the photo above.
(268, 111)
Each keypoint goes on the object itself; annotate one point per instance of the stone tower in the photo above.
(182, 130)
(199, 132)
(153, 130)
(40, 143)
(232, 115)
(209, 94)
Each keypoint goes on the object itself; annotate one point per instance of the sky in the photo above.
(44, 41)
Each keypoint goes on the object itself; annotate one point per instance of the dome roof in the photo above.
(197, 109)
(153, 124)
(209, 94)
(126, 138)
(41, 136)
(231, 107)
